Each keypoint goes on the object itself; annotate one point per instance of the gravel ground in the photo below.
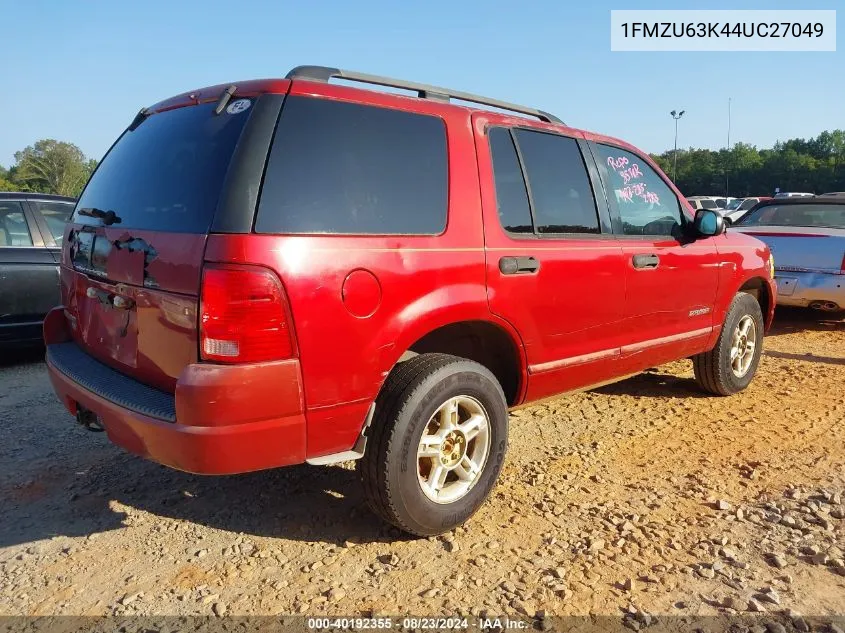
(640, 498)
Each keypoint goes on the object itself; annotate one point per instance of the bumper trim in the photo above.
(111, 385)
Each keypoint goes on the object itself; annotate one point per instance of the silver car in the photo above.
(807, 239)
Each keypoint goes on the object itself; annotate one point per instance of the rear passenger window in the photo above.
(560, 188)
(511, 197)
(13, 227)
(645, 203)
(340, 167)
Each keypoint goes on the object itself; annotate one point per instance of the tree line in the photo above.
(816, 165)
(48, 166)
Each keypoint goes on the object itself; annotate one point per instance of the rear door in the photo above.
(28, 276)
(671, 280)
(133, 254)
(554, 268)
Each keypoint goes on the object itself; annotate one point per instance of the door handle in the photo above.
(517, 265)
(643, 260)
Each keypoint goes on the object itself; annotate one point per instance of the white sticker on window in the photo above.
(236, 107)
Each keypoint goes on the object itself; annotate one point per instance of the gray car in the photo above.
(31, 229)
(807, 239)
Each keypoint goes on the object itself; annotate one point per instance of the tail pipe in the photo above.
(825, 306)
(89, 420)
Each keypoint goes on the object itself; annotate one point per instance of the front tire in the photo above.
(437, 443)
(730, 366)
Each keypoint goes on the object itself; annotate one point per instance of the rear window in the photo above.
(708, 204)
(346, 168)
(167, 174)
(13, 228)
(804, 215)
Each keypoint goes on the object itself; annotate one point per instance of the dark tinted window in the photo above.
(56, 215)
(511, 197)
(708, 204)
(340, 167)
(560, 187)
(646, 204)
(13, 227)
(167, 174)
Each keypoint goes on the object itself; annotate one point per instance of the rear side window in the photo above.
(708, 204)
(13, 227)
(560, 188)
(166, 174)
(511, 196)
(347, 168)
(56, 215)
(645, 203)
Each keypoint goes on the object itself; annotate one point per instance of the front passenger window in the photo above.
(645, 203)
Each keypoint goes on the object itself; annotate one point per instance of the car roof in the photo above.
(444, 97)
(799, 201)
(31, 195)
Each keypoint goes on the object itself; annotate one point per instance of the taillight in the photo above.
(842, 267)
(244, 316)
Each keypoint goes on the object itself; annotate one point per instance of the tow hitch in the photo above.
(89, 420)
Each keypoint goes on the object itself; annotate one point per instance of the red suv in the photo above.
(288, 270)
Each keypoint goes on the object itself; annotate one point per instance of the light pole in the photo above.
(676, 116)
(728, 166)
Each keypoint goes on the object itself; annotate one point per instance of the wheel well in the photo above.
(757, 288)
(479, 341)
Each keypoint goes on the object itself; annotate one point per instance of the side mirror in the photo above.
(709, 223)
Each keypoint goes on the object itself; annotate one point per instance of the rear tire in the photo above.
(730, 366)
(436, 445)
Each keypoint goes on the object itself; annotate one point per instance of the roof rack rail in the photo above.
(424, 91)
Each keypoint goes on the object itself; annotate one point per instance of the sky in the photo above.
(79, 71)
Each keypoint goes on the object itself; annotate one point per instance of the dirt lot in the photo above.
(641, 497)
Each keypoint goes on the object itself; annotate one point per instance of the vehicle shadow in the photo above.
(654, 383)
(790, 320)
(808, 357)
(21, 355)
(103, 489)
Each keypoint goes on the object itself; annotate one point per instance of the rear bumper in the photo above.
(807, 288)
(221, 420)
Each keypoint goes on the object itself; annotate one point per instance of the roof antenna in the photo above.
(224, 98)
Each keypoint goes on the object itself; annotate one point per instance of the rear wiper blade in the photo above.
(108, 217)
